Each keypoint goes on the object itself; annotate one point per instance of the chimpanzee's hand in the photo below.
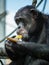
(16, 47)
(8, 45)
(14, 50)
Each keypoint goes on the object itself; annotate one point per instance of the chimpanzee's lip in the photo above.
(22, 31)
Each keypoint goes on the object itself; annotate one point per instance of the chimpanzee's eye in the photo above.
(22, 20)
(17, 21)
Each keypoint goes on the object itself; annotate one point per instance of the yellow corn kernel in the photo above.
(19, 37)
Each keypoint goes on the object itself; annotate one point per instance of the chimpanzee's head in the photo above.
(30, 21)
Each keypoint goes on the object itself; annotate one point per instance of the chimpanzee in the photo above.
(32, 50)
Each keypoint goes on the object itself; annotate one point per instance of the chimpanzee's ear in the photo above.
(34, 12)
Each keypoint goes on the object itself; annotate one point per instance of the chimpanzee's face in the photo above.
(26, 21)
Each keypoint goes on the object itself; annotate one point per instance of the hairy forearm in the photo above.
(29, 48)
(36, 49)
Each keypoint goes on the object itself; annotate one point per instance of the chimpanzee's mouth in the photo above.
(22, 31)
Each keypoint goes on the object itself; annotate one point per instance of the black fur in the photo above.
(34, 36)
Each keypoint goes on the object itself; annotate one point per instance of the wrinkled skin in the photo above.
(31, 23)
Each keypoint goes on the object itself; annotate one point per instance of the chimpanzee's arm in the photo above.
(34, 49)
(29, 48)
